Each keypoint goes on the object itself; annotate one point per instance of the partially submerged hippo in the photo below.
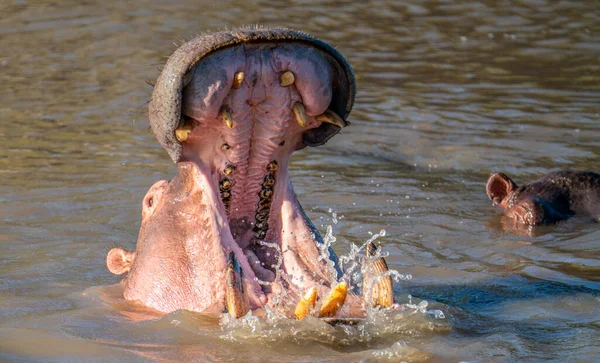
(554, 197)
(227, 233)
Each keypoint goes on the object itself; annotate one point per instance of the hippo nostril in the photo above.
(150, 202)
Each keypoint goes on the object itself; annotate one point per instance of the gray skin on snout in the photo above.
(230, 218)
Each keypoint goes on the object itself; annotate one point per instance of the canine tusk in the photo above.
(237, 301)
(331, 118)
(300, 113)
(382, 291)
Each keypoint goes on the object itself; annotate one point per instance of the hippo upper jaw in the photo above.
(190, 60)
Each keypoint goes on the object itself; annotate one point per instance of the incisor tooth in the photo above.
(300, 113)
(226, 115)
(334, 300)
(286, 79)
(237, 301)
(238, 79)
(331, 118)
(306, 304)
(184, 130)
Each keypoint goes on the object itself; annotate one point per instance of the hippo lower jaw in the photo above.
(228, 231)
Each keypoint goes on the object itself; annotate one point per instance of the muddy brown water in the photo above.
(449, 91)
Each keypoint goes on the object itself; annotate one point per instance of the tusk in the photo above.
(286, 79)
(238, 79)
(306, 304)
(334, 300)
(300, 113)
(226, 115)
(331, 118)
(237, 301)
(382, 292)
(184, 130)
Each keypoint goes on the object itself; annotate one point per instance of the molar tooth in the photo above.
(286, 79)
(306, 304)
(225, 184)
(268, 181)
(226, 115)
(272, 166)
(331, 118)
(262, 215)
(229, 169)
(265, 193)
(237, 301)
(260, 234)
(263, 226)
(264, 203)
(238, 79)
(334, 300)
(300, 114)
(184, 130)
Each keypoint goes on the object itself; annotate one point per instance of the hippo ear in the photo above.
(119, 261)
(498, 186)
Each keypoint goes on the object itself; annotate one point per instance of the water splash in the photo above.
(274, 324)
(324, 254)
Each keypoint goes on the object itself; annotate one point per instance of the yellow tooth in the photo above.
(237, 301)
(334, 300)
(331, 118)
(306, 304)
(272, 166)
(226, 115)
(238, 79)
(286, 79)
(184, 130)
(382, 288)
(229, 169)
(300, 113)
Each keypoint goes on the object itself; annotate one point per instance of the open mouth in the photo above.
(228, 233)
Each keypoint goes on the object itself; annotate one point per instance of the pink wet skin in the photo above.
(186, 229)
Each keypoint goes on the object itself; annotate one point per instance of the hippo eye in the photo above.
(150, 201)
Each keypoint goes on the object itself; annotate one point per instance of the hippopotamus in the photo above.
(227, 233)
(554, 197)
